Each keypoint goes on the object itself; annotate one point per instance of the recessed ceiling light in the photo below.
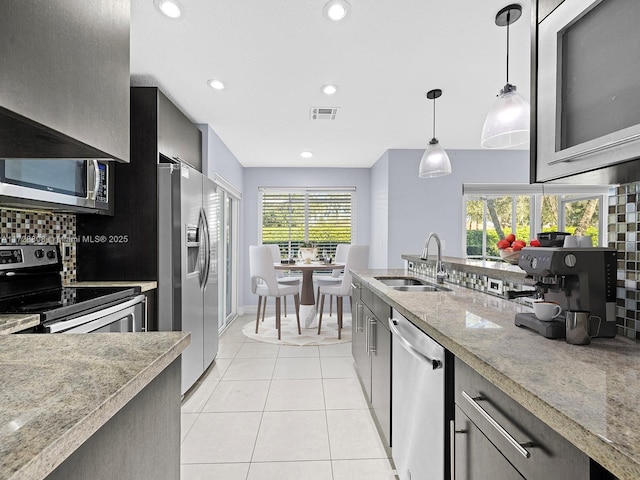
(216, 84)
(329, 89)
(171, 8)
(306, 154)
(336, 10)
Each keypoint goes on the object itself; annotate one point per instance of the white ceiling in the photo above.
(275, 55)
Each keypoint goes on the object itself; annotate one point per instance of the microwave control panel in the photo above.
(101, 194)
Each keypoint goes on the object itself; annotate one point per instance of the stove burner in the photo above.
(65, 301)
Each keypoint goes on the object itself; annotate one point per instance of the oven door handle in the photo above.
(93, 316)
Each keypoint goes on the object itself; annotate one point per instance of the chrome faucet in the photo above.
(441, 274)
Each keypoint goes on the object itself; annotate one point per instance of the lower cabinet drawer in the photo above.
(476, 458)
(531, 447)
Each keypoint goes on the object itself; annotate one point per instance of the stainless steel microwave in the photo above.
(56, 184)
(588, 107)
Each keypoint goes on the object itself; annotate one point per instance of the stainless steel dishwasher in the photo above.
(417, 402)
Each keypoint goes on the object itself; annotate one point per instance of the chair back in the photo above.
(275, 252)
(357, 259)
(341, 257)
(261, 268)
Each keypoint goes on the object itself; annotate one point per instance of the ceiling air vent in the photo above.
(323, 113)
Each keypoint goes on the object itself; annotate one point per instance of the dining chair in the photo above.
(357, 258)
(264, 284)
(280, 276)
(336, 275)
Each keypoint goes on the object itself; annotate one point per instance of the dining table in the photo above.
(307, 297)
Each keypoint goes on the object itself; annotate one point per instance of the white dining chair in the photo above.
(357, 258)
(264, 284)
(281, 277)
(336, 275)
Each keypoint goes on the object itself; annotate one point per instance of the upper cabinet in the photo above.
(586, 91)
(178, 138)
(64, 81)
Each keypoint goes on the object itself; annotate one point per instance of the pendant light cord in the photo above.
(508, 22)
(434, 118)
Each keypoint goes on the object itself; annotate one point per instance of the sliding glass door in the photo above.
(228, 259)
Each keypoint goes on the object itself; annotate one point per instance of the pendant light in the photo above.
(435, 161)
(507, 123)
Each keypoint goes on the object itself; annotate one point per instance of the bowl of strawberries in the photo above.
(510, 248)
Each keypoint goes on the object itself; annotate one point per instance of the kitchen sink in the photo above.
(400, 281)
(411, 284)
(420, 288)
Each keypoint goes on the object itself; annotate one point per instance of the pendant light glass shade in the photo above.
(435, 161)
(507, 123)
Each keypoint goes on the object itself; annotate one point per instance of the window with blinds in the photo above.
(292, 217)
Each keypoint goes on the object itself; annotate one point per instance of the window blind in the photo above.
(291, 217)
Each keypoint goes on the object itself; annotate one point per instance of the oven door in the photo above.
(127, 316)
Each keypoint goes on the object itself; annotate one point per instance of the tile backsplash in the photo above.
(27, 227)
(623, 235)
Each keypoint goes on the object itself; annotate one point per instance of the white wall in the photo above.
(418, 206)
(360, 178)
(217, 158)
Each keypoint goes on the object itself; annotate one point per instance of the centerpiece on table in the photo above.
(307, 252)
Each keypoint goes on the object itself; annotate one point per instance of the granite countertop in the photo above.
(588, 394)
(145, 285)
(57, 390)
(17, 322)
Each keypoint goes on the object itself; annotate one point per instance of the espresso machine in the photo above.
(575, 279)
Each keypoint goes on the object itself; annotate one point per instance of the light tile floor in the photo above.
(267, 412)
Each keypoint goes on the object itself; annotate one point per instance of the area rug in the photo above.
(328, 335)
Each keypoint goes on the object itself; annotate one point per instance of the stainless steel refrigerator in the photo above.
(188, 232)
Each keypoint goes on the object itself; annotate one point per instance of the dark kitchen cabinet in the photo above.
(133, 253)
(359, 338)
(178, 139)
(476, 457)
(495, 437)
(371, 349)
(64, 81)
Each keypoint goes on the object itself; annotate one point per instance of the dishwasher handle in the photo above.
(435, 364)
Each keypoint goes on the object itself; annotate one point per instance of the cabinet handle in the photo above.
(452, 448)
(359, 327)
(366, 334)
(373, 349)
(356, 286)
(518, 446)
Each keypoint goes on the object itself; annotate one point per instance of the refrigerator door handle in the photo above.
(207, 249)
(203, 240)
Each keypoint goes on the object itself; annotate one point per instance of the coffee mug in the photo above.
(584, 241)
(570, 241)
(578, 327)
(546, 311)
